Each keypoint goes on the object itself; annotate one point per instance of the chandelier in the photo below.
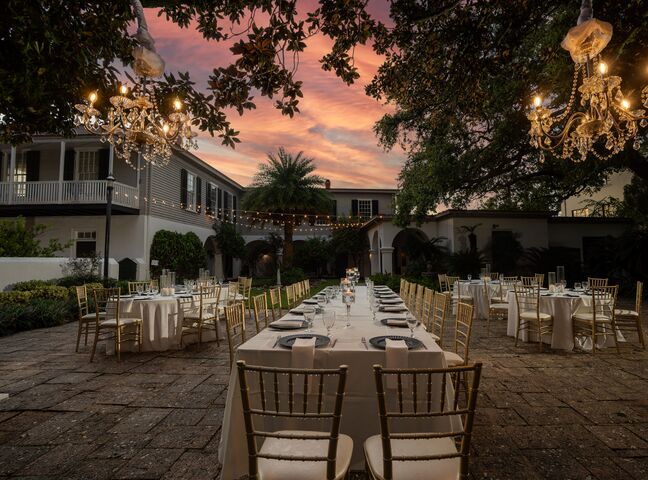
(133, 123)
(605, 121)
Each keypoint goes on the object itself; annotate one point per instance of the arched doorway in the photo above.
(214, 258)
(408, 249)
(260, 259)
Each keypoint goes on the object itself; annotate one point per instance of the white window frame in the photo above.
(191, 194)
(364, 202)
(83, 236)
(77, 163)
(214, 198)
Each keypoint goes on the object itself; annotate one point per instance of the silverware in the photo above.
(276, 341)
(364, 342)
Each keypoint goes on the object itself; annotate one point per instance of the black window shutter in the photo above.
(33, 165)
(104, 159)
(354, 208)
(374, 207)
(226, 212)
(334, 208)
(183, 188)
(219, 196)
(198, 194)
(208, 199)
(68, 165)
(234, 212)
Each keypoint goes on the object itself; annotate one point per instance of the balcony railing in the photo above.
(66, 193)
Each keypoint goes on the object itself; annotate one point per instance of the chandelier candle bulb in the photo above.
(603, 68)
(93, 97)
(537, 101)
(177, 104)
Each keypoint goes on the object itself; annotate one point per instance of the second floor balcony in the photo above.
(75, 192)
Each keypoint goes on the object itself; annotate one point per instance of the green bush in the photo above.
(38, 313)
(387, 279)
(183, 254)
(50, 292)
(31, 285)
(292, 275)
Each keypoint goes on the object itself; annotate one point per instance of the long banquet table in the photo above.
(360, 410)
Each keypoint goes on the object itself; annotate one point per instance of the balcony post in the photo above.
(12, 173)
(61, 171)
(110, 180)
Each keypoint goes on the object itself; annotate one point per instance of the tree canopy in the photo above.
(53, 53)
(462, 76)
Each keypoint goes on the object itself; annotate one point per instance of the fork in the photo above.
(364, 342)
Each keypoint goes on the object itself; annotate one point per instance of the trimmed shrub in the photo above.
(38, 313)
(292, 275)
(51, 292)
(31, 285)
(391, 281)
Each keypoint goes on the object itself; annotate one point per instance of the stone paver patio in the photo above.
(554, 415)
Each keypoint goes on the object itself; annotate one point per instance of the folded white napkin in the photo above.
(392, 308)
(288, 321)
(303, 353)
(396, 357)
(397, 322)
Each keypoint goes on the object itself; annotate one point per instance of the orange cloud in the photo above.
(334, 126)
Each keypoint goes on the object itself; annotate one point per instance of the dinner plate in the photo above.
(287, 325)
(289, 340)
(310, 301)
(412, 343)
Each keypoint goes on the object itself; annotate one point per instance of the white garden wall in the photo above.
(21, 269)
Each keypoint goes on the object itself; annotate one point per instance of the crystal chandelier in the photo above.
(133, 122)
(606, 121)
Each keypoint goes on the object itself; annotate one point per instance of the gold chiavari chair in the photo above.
(201, 312)
(439, 315)
(291, 298)
(307, 287)
(295, 454)
(86, 318)
(427, 310)
(404, 291)
(463, 331)
(494, 276)
(530, 317)
(460, 291)
(423, 395)
(597, 282)
(232, 293)
(530, 281)
(497, 309)
(411, 297)
(275, 303)
(246, 293)
(599, 321)
(235, 324)
(260, 307)
(444, 287)
(122, 329)
(510, 279)
(540, 279)
(402, 284)
(133, 287)
(418, 303)
(630, 320)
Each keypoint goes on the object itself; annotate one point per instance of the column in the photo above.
(61, 171)
(12, 174)
(374, 261)
(386, 253)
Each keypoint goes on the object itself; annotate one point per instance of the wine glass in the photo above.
(139, 290)
(373, 306)
(309, 316)
(469, 277)
(329, 320)
(411, 322)
(347, 298)
(578, 286)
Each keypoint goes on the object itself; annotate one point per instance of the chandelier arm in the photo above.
(565, 130)
(586, 12)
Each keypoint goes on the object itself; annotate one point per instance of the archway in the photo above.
(408, 249)
(260, 259)
(374, 253)
(214, 257)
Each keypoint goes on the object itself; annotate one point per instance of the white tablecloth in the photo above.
(161, 324)
(561, 307)
(475, 289)
(360, 410)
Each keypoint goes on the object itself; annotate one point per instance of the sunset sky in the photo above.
(334, 126)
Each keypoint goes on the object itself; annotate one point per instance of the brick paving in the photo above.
(555, 415)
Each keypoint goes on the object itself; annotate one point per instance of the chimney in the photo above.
(327, 184)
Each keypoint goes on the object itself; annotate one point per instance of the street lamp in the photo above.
(110, 185)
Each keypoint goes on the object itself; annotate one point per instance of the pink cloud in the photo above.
(334, 126)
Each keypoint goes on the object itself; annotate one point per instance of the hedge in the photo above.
(49, 292)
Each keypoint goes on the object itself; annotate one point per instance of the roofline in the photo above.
(190, 156)
(362, 190)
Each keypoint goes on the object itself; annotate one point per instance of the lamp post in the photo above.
(110, 181)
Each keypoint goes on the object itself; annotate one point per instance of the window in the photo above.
(4, 166)
(364, 208)
(86, 244)
(581, 212)
(191, 191)
(212, 198)
(87, 166)
(20, 176)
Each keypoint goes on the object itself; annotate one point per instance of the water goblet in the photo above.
(309, 316)
(329, 320)
(578, 286)
(411, 322)
(139, 290)
(469, 277)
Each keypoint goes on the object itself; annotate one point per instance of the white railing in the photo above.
(66, 193)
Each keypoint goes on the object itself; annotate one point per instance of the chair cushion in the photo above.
(452, 359)
(295, 470)
(625, 313)
(499, 306)
(92, 316)
(588, 317)
(531, 315)
(447, 469)
(112, 322)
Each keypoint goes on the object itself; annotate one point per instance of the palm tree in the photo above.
(285, 185)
